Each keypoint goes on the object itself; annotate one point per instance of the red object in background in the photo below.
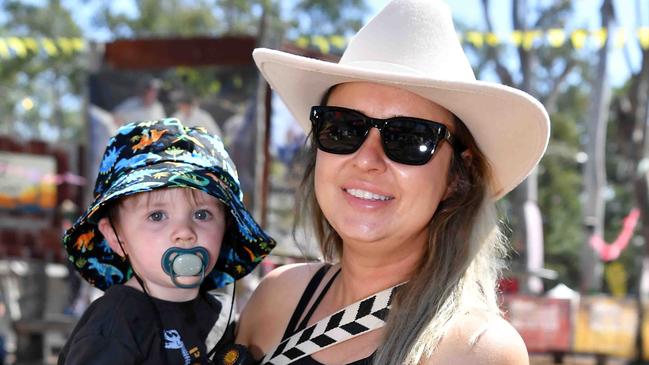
(508, 285)
(544, 323)
(611, 251)
(173, 52)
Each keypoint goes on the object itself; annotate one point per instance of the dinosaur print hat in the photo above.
(149, 155)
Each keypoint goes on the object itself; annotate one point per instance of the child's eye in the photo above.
(202, 214)
(156, 216)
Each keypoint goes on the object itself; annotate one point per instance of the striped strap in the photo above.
(354, 320)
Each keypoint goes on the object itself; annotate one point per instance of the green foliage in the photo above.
(560, 186)
(154, 18)
(330, 17)
(55, 85)
(46, 81)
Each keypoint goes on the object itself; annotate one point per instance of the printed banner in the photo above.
(27, 182)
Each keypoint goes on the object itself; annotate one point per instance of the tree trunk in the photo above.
(595, 169)
(525, 209)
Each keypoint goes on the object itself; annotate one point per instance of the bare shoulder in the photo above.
(265, 316)
(481, 338)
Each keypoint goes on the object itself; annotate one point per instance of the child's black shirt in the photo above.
(122, 327)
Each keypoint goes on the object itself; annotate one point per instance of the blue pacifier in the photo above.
(179, 262)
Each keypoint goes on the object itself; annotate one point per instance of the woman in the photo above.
(409, 154)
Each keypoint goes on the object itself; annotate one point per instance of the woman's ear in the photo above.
(110, 235)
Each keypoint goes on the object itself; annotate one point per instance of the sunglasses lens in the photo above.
(410, 142)
(340, 131)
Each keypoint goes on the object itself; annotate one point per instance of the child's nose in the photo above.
(184, 233)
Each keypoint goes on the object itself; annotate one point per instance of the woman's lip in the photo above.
(363, 203)
(370, 188)
(369, 195)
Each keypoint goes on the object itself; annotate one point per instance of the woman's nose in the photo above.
(370, 155)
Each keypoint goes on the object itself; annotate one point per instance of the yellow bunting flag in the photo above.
(517, 37)
(78, 44)
(338, 41)
(578, 38)
(31, 44)
(321, 43)
(4, 50)
(66, 45)
(600, 37)
(475, 38)
(529, 38)
(49, 46)
(17, 45)
(643, 37)
(556, 37)
(302, 42)
(492, 39)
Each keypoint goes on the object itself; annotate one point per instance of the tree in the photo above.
(52, 85)
(631, 147)
(543, 72)
(595, 171)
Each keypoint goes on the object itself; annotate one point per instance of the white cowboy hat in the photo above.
(412, 44)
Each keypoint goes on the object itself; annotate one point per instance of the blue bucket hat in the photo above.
(144, 156)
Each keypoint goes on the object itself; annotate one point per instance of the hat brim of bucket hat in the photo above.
(244, 245)
(510, 127)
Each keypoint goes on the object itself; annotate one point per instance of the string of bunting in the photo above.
(21, 47)
(555, 38)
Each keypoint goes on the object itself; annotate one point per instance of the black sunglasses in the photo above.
(406, 140)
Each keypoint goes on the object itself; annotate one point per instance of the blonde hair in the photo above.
(458, 270)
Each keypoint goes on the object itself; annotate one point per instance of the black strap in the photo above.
(304, 300)
(158, 317)
(317, 302)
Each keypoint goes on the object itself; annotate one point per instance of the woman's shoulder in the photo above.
(480, 337)
(287, 280)
(267, 312)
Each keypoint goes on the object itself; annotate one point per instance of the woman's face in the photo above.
(365, 196)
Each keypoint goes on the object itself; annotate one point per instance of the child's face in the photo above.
(149, 223)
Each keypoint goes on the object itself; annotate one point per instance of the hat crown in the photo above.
(412, 37)
(137, 145)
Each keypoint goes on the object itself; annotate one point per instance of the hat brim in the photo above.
(510, 127)
(244, 245)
